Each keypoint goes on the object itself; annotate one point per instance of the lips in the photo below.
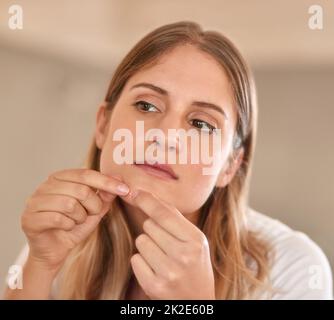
(165, 168)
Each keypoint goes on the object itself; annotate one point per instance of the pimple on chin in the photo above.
(130, 197)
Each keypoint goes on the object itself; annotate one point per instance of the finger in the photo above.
(94, 179)
(142, 271)
(81, 231)
(106, 196)
(38, 222)
(153, 255)
(167, 216)
(161, 237)
(67, 205)
(89, 199)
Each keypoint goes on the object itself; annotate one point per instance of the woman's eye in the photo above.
(204, 126)
(145, 106)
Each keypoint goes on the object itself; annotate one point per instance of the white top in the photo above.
(300, 270)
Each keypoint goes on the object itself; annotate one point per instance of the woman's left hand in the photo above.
(174, 257)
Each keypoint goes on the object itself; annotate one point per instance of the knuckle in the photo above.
(141, 239)
(39, 189)
(28, 202)
(186, 256)
(44, 185)
(185, 259)
(196, 248)
(201, 241)
(147, 224)
(81, 218)
(84, 192)
(99, 207)
(69, 204)
(51, 177)
(55, 173)
(84, 174)
(57, 219)
(171, 276)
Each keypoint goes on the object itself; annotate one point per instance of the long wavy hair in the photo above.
(99, 267)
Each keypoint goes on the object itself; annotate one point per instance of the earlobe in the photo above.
(101, 129)
(227, 173)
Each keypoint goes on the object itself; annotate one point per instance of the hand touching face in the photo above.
(173, 259)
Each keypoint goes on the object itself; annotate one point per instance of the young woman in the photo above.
(133, 231)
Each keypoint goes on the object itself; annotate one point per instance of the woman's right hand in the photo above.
(64, 210)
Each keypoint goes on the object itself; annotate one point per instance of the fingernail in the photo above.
(123, 189)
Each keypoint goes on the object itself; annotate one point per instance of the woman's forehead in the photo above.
(186, 69)
(189, 74)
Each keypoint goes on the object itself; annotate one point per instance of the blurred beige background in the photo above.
(56, 70)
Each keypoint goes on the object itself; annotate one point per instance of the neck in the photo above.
(136, 218)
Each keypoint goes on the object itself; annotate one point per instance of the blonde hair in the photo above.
(99, 268)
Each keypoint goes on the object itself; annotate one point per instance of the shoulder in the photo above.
(300, 269)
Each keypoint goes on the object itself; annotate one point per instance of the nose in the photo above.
(169, 139)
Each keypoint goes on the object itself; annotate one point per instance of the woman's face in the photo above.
(185, 76)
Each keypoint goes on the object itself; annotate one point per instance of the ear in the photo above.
(101, 129)
(227, 173)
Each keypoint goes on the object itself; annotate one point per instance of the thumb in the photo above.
(81, 231)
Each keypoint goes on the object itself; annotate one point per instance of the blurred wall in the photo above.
(48, 115)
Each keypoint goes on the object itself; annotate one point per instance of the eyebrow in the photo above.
(164, 92)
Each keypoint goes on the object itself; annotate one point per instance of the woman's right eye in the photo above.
(144, 106)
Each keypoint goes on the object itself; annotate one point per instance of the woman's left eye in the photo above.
(204, 126)
(145, 106)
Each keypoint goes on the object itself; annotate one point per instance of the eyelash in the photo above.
(211, 128)
(141, 103)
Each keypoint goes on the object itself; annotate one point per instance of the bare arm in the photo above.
(37, 282)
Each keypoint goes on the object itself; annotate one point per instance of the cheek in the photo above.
(122, 122)
(108, 163)
(195, 189)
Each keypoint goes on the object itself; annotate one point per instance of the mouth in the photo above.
(162, 171)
